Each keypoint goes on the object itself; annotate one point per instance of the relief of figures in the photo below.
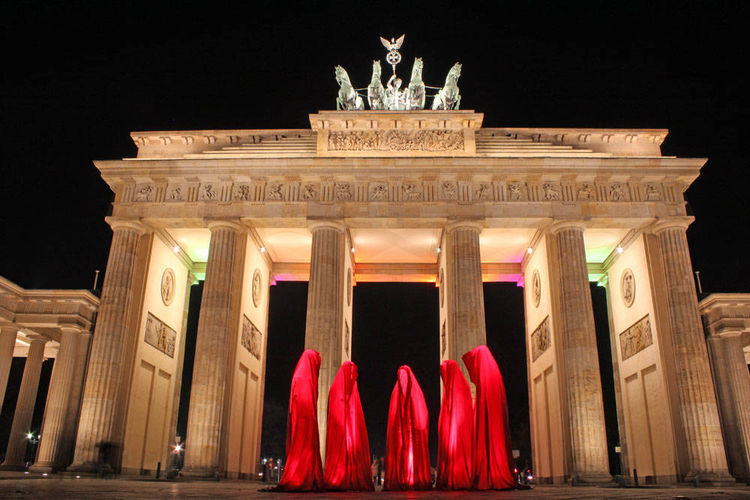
(275, 192)
(585, 192)
(176, 193)
(207, 193)
(517, 191)
(411, 191)
(540, 339)
(551, 191)
(159, 335)
(310, 192)
(449, 189)
(144, 193)
(396, 140)
(379, 191)
(241, 192)
(343, 191)
(251, 337)
(636, 338)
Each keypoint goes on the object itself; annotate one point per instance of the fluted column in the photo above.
(219, 316)
(325, 306)
(576, 345)
(105, 369)
(733, 389)
(695, 390)
(7, 344)
(464, 290)
(51, 444)
(17, 441)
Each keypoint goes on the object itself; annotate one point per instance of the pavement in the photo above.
(18, 485)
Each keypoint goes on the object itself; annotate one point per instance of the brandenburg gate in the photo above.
(408, 195)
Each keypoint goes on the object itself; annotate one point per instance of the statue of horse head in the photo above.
(416, 70)
(376, 70)
(453, 74)
(342, 77)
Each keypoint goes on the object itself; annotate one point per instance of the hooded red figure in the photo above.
(407, 460)
(347, 446)
(303, 471)
(454, 430)
(492, 459)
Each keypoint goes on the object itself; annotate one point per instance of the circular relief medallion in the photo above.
(349, 288)
(536, 287)
(440, 287)
(257, 288)
(627, 287)
(167, 286)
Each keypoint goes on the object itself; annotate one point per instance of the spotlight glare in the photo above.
(262, 249)
(176, 249)
(352, 249)
(529, 250)
(619, 250)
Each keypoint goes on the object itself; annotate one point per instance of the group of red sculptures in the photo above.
(474, 444)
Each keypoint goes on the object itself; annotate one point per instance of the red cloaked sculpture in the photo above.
(492, 459)
(303, 471)
(347, 446)
(455, 426)
(407, 460)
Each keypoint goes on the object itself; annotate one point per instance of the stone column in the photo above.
(105, 369)
(7, 344)
(217, 328)
(695, 390)
(464, 290)
(49, 458)
(733, 389)
(573, 322)
(17, 441)
(325, 308)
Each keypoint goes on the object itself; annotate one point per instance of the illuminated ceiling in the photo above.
(399, 246)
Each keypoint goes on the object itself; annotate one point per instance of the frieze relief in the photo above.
(518, 191)
(175, 193)
(241, 192)
(144, 192)
(411, 191)
(378, 191)
(540, 339)
(448, 190)
(636, 338)
(617, 192)
(653, 193)
(396, 140)
(251, 337)
(275, 191)
(551, 192)
(482, 192)
(586, 192)
(310, 192)
(159, 335)
(208, 192)
(343, 191)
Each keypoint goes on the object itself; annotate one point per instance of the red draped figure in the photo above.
(492, 459)
(454, 430)
(347, 446)
(303, 471)
(407, 460)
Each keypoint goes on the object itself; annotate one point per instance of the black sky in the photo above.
(77, 77)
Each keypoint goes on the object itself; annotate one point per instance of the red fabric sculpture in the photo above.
(454, 430)
(407, 460)
(303, 471)
(492, 459)
(347, 446)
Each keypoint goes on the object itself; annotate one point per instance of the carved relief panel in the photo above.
(159, 335)
(636, 338)
(251, 338)
(540, 339)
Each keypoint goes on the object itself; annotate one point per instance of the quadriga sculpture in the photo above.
(376, 91)
(448, 97)
(348, 98)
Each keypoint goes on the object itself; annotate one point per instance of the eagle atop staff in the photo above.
(393, 44)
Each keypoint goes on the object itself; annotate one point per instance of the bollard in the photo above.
(635, 476)
(158, 470)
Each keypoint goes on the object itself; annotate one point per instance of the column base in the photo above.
(84, 467)
(13, 467)
(43, 467)
(203, 473)
(709, 479)
(592, 479)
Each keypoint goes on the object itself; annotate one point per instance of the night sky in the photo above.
(78, 77)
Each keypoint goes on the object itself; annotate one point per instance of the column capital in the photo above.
(335, 224)
(123, 223)
(33, 337)
(664, 223)
(475, 224)
(558, 225)
(225, 223)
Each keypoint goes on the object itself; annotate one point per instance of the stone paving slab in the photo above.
(102, 489)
